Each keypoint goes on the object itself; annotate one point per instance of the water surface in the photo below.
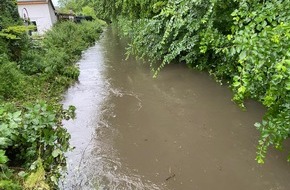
(180, 131)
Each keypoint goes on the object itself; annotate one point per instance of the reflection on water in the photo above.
(180, 131)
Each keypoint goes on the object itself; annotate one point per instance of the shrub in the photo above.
(11, 81)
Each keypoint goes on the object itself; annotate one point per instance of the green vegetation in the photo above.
(242, 42)
(33, 75)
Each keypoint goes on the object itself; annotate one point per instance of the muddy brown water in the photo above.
(180, 131)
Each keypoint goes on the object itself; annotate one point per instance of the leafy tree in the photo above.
(9, 13)
(12, 40)
(89, 11)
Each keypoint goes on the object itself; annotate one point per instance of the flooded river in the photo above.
(180, 131)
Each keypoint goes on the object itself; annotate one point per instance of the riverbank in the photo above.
(33, 140)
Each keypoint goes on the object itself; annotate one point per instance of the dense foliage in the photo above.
(261, 42)
(33, 74)
(111, 9)
(243, 42)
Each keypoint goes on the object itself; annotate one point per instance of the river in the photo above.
(180, 131)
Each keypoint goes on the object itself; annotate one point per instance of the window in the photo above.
(34, 23)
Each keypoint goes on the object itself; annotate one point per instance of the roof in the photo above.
(35, 2)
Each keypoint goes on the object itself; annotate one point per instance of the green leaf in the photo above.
(260, 160)
(3, 157)
(242, 90)
(243, 55)
(236, 84)
(288, 85)
(3, 141)
(257, 125)
(56, 153)
(16, 114)
(22, 174)
(54, 180)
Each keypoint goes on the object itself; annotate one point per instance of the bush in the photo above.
(64, 44)
(11, 81)
(9, 185)
(33, 133)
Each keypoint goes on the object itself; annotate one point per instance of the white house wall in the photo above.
(52, 14)
(41, 14)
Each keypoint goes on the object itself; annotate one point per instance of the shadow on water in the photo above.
(180, 131)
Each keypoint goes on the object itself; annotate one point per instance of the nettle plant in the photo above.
(35, 134)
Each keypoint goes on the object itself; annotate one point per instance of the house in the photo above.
(72, 17)
(41, 13)
(65, 16)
